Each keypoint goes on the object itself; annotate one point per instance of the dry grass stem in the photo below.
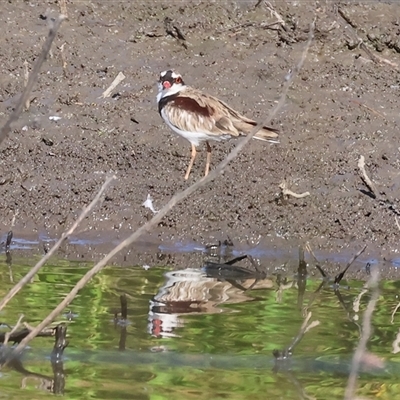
(394, 312)
(274, 13)
(5, 130)
(357, 300)
(365, 178)
(14, 218)
(368, 108)
(348, 26)
(365, 334)
(64, 236)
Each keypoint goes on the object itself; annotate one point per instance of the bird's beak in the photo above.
(166, 85)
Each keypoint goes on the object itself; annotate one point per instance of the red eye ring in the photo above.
(178, 79)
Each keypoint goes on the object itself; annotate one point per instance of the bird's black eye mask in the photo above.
(169, 78)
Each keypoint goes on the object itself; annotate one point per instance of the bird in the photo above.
(199, 117)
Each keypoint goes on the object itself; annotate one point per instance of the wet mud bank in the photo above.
(344, 104)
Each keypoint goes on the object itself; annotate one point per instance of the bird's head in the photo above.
(170, 82)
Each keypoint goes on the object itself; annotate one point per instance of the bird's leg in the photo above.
(208, 159)
(189, 168)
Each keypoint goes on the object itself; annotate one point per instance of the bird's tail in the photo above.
(265, 133)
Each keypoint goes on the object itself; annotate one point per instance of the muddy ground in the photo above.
(344, 104)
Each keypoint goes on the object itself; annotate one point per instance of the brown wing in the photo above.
(207, 114)
(203, 113)
(245, 125)
(229, 120)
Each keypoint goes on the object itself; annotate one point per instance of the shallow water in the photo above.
(191, 336)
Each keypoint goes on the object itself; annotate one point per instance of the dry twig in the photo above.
(8, 334)
(275, 13)
(366, 333)
(394, 312)
(63, 8)
(63, 59)
(288, 192)
(349, 27)
(368, 108)
(365, 178)
(120, 77)
(175, 200)
(340, 275)
(5, 130)
(64, 236)
(238, 27)
(26, 79)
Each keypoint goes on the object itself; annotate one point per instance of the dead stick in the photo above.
(26, 79)
(368, 108)
(119, 78)
(63, 59)
(366, 333)
(288, 192)
(64, 236)
(63, 8)
(350, 29)
(175, 200)
(340, 276)
(365, 178)
(5, 130)
(8, 334)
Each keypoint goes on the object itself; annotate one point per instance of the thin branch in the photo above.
(368, 108)
(237, 28)
(9, 334)
(394, 312)
(5, 130)
(349, 27)
(317, 265)
(366, 333)
(365, 178)
(275, 13)
(64, 236)
(340, 276)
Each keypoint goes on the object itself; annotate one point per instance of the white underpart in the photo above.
(193, 137)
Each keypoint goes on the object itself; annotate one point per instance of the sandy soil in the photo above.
(343, 104)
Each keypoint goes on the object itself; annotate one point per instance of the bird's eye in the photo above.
(178, 79)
